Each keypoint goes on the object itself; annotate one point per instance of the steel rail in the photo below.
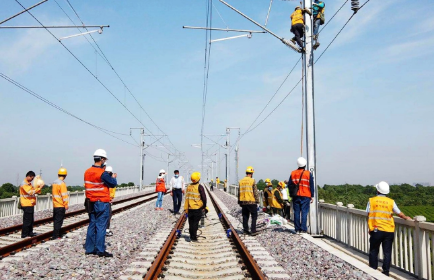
(8, 230)
(251, 265)
(33, 241)
(157, 266)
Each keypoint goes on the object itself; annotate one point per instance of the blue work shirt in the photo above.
(108, 180)
(316, 8)
(290, 182)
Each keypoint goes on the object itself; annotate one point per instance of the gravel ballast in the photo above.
(299, 257)
(65, 259)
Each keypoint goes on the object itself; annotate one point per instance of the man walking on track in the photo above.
(177, 186)
(194, 205)
(380, 220)
(60, 202)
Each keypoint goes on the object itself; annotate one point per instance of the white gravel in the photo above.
(18, 219)
(299, 257)
(65, 259)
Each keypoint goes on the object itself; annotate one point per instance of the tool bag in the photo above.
(293, 189)
(89, 206)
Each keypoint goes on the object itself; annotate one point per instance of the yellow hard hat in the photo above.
(62, 171)
(281, 184)
(195, 177)
(267, 180)
(250, 169)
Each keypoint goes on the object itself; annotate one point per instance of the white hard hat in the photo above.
(383, 187)
(109, 169)
(162, 171)
(100, 153)
(302, 162)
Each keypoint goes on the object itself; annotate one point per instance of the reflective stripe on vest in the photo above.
(246, 190)
(381, 214)
(304, 185)
(193, 197)
(94, 186)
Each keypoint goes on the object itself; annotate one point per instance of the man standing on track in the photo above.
(380, 220)
(194, 205)
(248, 199)
(301, 187)
(28, 202)
(177, 186)
(60, 202)
(97, 184)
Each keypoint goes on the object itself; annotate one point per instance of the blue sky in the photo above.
(373, 89)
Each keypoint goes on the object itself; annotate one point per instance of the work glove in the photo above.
(268, 207)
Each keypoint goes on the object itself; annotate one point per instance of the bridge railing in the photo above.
(9, 206)
(413, 245)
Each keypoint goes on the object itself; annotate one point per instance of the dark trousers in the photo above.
(110, 216)
(376, 239)
(298, 30)
(58, 216)
(28, 219)
(194, 218)
(96, 235)
(177, 197)
(286, 211)
(211, 187)
(301, 207)
(250, 210)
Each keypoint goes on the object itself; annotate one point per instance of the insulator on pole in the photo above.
(354, 5)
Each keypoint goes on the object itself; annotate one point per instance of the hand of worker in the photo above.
(268, 207)
(171, 193)
(408, 218)
(66, 208)
(183, 191)
(312, 200)
(114, 175)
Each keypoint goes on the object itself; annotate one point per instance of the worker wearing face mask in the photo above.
(266, 194)
(177, 186)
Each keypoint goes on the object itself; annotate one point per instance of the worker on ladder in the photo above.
(298, 26)
(318, 19)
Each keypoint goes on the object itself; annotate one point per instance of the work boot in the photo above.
(105, 255)
(293, 40)
(316, 45)
(109, 233)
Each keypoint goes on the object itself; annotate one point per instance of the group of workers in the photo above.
(298, 23)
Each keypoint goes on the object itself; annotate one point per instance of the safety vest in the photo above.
(273, 202)
(94, 186)
(193, 197)
(218, 182)
(160, 185)
(266, 200)
(304, 185)
(381, 214)
(112, 193)
(297, 17)
(59, 194)
(246, 190)
(27, 194)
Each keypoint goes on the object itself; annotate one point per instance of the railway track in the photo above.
(11, 241)
(219, 254)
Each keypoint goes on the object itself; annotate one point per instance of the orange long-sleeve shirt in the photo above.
(27, 194)
(60, 194)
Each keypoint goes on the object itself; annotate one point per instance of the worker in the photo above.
(97, 184)
(112, 191)
(194, 205)
(248, 200)
(298, 25)
(217, 182)
(28, 202)
(318, 19)
(286, 199)
(60, 202)
(380, 220)
(160, 189)
(177, 189)
(275, 201)
(302, 181)
(211, 185)
(225, 185)
(267, 192)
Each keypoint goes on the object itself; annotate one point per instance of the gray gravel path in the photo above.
(65, 259)
(299, 257)
(18, 219)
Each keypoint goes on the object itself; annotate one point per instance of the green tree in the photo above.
(130, 184)
(8, 187)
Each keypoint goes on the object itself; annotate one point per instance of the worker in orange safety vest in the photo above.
(28, 202)
(60, 202)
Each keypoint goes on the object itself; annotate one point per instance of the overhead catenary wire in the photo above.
(90, 72)
(106, 131)
(119, 77)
